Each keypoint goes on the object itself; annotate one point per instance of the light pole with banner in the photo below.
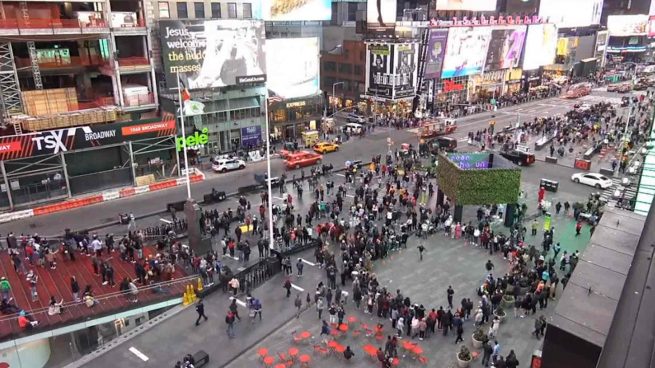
(269, 191)
(334, 108)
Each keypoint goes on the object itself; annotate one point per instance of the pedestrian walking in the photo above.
(298, 304)
(200, 309)
(320, 305)
(229, 321)
(421, 248)
(450, 292)
(299, 267)
(234, 309)
(287, 285)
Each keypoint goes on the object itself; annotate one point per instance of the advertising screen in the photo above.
(466, 51)
(568, 14)
(380, 15)
(651, 26)
(540, 46)
(472, 5)
(379, 77)
(436, 52)
(290, 10)
(296, 76)
(209, 54)
(405, 61)
(627, 25)
(505, 47)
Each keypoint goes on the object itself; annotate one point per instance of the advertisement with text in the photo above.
(466, 51)
(52, 142)
(627, 25)
(540, 46)
(379, 77)
(293, 10)
(293, 67)
(436, 53)
(471, 5)
(404, 61)
(381, 15)
(568, 14)
(505, 47)
(212, 53)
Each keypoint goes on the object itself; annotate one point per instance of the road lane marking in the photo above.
(166, 221)
(278, 198)
(350, 196)
(297, 287)
(308, 262)
(139, 354)
(342, 175)
(240, 302)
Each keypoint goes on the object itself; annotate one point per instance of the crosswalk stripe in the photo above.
(239, 301)
(297, 287)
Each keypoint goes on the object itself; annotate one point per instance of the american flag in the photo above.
(275, 99)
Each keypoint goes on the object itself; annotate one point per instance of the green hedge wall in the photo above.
(476, 187)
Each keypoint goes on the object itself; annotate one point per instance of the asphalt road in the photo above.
(358, 148)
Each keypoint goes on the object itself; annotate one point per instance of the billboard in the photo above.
(293, 66)
(472, 5)
(627, 25)
(52, 142)
(380, 15)
(391, 69)
(405, 68)
(505, 47)
(436, 52)
(540, 46)
(212, 53)
(466, 51)
(569, 14)
(651, 26)
(291, 10)
(251, 136)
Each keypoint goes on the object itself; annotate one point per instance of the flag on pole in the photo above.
(189, 107)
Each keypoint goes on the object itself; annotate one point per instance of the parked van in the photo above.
(353, 129)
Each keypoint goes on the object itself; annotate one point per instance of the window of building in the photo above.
(247, 10)
(335, 13)
(216, 10)
(352, 12)
(182, 11)
(279, 115)
(330, 66)
(231, 10)
(164, 12)
(199, 9)
(345, 68)
(358, 70)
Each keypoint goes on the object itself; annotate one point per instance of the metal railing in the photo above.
(133, 61)
(52, 24)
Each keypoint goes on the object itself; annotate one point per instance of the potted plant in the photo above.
(500, 313)
(508, 301)
(463, 357)
(479, 337)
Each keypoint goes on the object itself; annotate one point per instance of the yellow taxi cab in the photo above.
(325, 147)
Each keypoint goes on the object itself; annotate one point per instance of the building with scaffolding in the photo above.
(78, 100)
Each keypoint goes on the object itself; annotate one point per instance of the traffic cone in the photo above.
(200, 286)
(185, 299)
(192, 293)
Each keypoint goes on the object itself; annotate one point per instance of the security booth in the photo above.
(310, 138)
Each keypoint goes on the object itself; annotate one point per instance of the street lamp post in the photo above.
(333, 93)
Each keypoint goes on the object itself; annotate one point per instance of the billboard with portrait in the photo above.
(505, 47)
(471, 5)
(436, 52)
(212, 53)
(466, 51)
(627, 25)
(292, 10)
(405, 61)
(380, 15)
(540, 46)
(568, 14)
(293, 67)
(379, 73)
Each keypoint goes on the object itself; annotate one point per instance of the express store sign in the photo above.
(53, 142)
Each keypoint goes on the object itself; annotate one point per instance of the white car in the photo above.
(594, 180)
(224, 165)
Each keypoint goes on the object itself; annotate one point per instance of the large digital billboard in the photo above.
(380, 15)
(466, 51)
(540, 46)
(505, 47)
(627, 25)
(471, 5)
(391, 70)
(294, 10)
(568, 14)
(436, 52)
(212, 53)
(293, 67)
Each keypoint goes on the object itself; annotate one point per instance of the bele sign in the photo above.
(450, 86)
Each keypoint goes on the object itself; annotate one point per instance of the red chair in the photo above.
(262, 352)
(318, 349)
(305, 360)
(268, 361)
(423, 360)
(293, 354)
